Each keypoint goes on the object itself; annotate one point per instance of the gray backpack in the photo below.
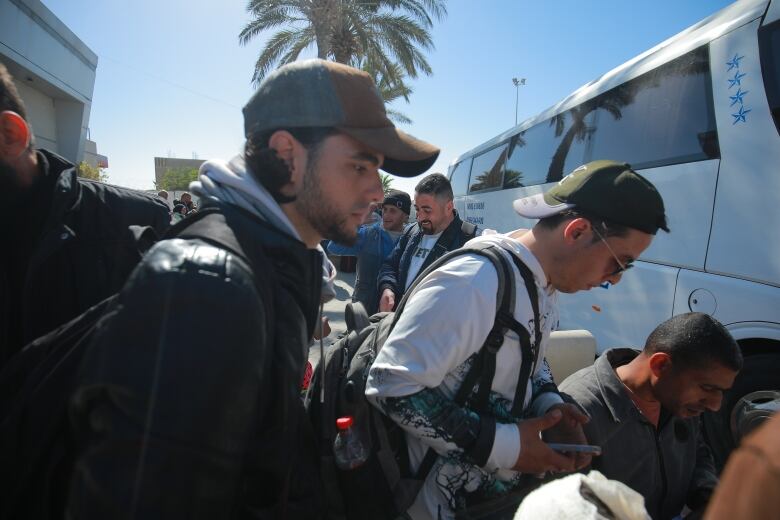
(385, 486)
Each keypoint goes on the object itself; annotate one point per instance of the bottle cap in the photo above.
(342, 423)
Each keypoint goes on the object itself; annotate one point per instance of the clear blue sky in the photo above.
(172, 77)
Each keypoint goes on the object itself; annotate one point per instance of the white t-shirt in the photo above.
(433, 345)
(424, 248)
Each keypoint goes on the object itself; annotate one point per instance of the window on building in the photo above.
(487, 171)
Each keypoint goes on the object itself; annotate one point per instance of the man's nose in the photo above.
(376, 191)
(713, 402)
(614, 278)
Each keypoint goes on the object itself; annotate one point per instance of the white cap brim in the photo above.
(536, 207)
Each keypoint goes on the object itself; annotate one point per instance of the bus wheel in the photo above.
(754, 396)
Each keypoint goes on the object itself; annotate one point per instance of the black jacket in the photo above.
(84, 252)
(189, 400)
(395, 268)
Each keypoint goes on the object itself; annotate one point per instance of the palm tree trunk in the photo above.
(555, 173)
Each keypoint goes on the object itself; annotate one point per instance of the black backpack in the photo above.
(384, 486)
(36, 448)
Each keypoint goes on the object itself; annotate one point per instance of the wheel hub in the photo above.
(752, 410)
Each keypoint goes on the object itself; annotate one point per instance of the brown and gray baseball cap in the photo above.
(607, 189)
(318, 93)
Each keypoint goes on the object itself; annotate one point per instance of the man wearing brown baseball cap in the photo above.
(211, 424)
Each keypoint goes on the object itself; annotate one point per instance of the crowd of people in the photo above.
(186, 403)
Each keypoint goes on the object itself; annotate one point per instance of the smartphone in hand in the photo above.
(575, 448)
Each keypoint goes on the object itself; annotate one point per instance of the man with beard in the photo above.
(438, 229)
(189, 402)
(70, 245)
(645, 406)
(375, 243)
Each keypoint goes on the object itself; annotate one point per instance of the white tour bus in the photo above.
(698, 115)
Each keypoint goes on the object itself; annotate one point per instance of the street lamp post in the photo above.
(517, 83)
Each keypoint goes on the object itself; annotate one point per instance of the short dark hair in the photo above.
(606, 227)
(435, 184)
(268, 169)
(9, 96)
(695, 340)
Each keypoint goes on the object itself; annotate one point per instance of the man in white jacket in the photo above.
(593, 225)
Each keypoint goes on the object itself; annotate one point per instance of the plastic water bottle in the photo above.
(348, 450)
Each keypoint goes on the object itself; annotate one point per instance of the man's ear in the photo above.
(14, 135)
(660, 363)
(293, 153)
(576, 229)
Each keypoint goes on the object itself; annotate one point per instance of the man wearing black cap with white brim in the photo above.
(375, 243)
(593, 225)
(189, 398)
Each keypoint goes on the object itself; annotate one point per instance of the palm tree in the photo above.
(389, 91)
(389, 35)
(387, 180)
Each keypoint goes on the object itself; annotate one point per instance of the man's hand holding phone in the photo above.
(536, 456)
(569, 431)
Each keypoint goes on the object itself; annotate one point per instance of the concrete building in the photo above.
(55, 74)
(163, 164)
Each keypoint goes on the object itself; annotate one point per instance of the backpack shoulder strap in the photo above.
(530, 350)
(469, 229)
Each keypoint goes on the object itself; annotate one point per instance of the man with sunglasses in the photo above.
(593, 225)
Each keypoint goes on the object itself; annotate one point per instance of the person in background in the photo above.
(186, 200)
(438, 229)
(645, 407)
(68, 242)
(374, 244)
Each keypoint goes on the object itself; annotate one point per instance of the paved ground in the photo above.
(334, 310)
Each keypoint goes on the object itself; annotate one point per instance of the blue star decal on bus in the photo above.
(737, 79)
(738, 97)
(734, 62)
(740, 115)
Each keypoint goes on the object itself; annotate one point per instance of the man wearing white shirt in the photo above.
(438, 230)
(593, 225)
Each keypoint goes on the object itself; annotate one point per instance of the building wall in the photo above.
(55, 72)
(41, 114)
(163, 164)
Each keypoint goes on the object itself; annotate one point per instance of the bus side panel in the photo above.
(729, 300)
(688, 191)
(493, 210)
(624, 314)
(745, 239)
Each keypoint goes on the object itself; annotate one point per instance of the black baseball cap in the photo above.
(607, 189)
(399, 199)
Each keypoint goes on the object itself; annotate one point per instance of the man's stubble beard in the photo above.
(319, 212)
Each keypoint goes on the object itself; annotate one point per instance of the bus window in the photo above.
(460, 178)
(488, 169)
(769, 41)
(544, 152)
(663, 117)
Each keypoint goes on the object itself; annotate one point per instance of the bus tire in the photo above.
(760, 373)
